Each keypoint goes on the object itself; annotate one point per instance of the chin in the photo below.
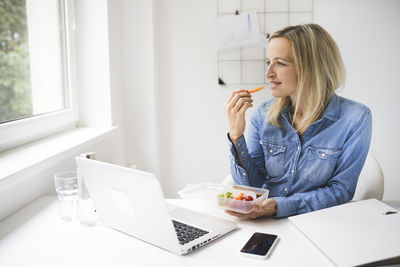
(276, 94)
(279, 93)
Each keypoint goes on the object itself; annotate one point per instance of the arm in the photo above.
(247, 157)
(341, 187)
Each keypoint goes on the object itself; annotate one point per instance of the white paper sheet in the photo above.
(241, 30)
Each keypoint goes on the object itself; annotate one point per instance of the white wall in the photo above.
(138, 76)
(368, 35)
(93, 60)
(192, 118)
(184, 104)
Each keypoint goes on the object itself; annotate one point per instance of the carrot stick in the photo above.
(255, 90)
(239, 197)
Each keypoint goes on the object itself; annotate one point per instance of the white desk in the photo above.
(36, 236)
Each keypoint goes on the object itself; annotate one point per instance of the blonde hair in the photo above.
(319, 68)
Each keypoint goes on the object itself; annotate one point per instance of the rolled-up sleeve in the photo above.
(239, 174)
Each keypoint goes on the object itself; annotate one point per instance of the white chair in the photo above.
(370, 183)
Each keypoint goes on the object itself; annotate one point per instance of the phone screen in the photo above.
(259, 244)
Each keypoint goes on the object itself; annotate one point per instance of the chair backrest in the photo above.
(371, 181)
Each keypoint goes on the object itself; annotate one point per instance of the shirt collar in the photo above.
(332, 111)
(286, 111)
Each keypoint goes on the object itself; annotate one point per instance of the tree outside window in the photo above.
(15, 90)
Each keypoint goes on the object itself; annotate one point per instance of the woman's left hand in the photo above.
(258, 209)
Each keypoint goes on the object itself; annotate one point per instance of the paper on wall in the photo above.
(241, 30)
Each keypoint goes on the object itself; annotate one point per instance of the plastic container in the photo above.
(242, 206)
(208, 192)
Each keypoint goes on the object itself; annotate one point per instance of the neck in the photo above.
(299, 111)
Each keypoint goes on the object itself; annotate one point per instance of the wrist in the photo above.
(274, 207)
(269, 207)
(234, 138)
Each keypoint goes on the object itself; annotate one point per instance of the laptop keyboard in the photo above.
(187, 233)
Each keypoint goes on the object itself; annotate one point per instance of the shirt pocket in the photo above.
(321, 163)
(274, 155)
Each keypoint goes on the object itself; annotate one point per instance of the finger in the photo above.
(243, 109)
(236, 214)
(237, 94)
(251, 215)
(255, 207)
(232, 95)
(232, 105)
(240, 101)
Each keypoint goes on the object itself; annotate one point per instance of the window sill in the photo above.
(43, 152)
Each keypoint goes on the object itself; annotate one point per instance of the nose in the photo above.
(270, 73)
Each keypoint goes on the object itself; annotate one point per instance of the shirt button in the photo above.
(238, 144)
(323, 155)
(298, 148)
(242, 152)
(244, 174)
(286, 189)
(292, 171)
(270, 151)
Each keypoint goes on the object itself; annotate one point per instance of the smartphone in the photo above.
(260, 245)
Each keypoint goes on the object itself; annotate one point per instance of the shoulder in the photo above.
(353, 109)
(349, 105)
(354, 113)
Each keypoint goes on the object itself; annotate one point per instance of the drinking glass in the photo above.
(68, 195)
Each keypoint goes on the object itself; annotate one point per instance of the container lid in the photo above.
(201, 191)
(209, 191)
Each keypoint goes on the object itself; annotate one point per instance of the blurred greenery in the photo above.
(15, 90)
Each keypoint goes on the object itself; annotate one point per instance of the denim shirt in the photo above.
(316, 170)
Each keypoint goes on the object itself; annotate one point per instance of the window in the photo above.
(37, 95)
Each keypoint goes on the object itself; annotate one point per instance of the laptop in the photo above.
(132, 202)
(357, 233)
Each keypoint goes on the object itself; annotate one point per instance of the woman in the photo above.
(307, 145)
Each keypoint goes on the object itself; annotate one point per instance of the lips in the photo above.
(274, 84)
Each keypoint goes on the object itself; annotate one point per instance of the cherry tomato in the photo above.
(248, 198)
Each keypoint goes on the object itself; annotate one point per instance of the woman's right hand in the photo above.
(236, 105)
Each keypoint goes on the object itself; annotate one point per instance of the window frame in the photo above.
(21, 131)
